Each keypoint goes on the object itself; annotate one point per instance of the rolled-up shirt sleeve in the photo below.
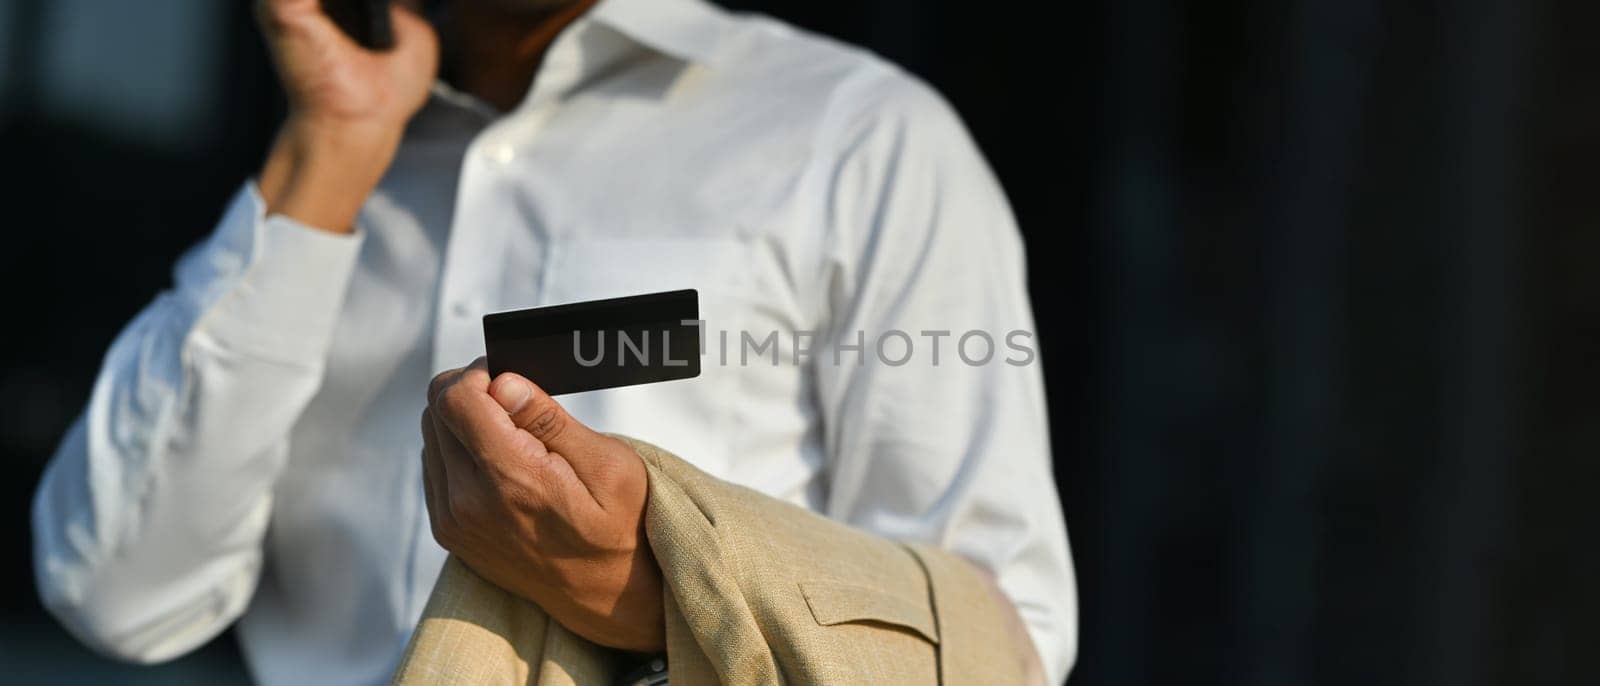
(937, 431)
(149, 521)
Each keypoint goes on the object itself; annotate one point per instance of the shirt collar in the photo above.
(686, 29)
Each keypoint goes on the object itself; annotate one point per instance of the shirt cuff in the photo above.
(287, 300)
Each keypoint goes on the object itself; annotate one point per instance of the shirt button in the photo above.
(504, 154)
(461, 309)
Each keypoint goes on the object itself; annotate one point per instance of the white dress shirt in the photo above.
(250, 450)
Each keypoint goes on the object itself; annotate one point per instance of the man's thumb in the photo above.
(534, 411)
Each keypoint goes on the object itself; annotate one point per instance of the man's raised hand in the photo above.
(348, 107)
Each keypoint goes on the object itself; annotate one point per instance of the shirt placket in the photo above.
(485, 218)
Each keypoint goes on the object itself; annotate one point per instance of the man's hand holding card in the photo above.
(541, 505)
(529, 497)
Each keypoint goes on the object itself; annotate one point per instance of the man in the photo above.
(249, 451)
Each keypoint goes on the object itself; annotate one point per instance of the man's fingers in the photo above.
(479, 422)
(534, 411)
(291, 4)
(298, 17)
(432, 469)
(475, 375)
(282, 8)
(451, 400)
(592, 455)
(473, 429)
(452, 456)
(458, 465)
(435, 486)
(441, 381)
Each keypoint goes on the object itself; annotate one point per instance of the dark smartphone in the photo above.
(367, 21)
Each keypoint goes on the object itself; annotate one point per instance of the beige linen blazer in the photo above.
(758, 591)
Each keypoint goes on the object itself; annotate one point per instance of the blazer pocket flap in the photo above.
(836, 603)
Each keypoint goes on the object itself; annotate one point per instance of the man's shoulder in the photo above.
(802, 72)
(757, 44)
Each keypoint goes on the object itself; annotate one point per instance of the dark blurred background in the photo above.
(1317, 281)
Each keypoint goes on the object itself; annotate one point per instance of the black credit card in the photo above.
(598, 344)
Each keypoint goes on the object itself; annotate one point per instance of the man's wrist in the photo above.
(320, 172)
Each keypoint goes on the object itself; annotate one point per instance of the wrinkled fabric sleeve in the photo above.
(936, 430)
(149, 521)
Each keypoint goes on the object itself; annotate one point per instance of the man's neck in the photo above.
(494, 53)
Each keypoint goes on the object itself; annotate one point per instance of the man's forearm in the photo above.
(320, 173)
